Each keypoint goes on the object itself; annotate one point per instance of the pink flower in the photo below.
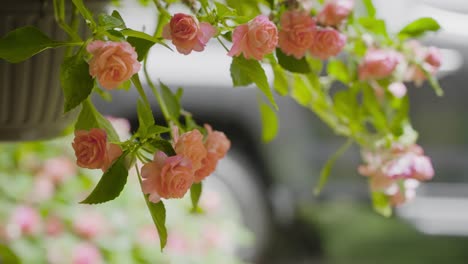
(217, 145)
(43, 189)
(297, 33)
(93, 151)
(148, 235)
(397, 171)
(54, 226)
(398, 89)
(166, 177)
(113, 62)
(187, 34)
(58, 169)
(209, 164)
(430, 59)
(190, 146)
(255, 39)
(27, 219)
(89, 224)
(177, 243)
(334, 12)
(217, 142)
(434, 57)
(113, 153)
(378, 64)
(86, 253)
(327, 43)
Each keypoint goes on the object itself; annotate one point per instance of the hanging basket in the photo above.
(31, 99)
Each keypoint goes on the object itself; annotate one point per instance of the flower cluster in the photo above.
(397, 172)
(361, 96)
(171, 177)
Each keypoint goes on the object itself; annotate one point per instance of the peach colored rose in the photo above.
(327, 43)
(166, 177)
(113, 153)
(296, 33)
(378, 64)
(255, 39)
(217, 142)
(93, 151)
(334, 12)
(209, 164)
(112, 63)
(190, 145)
(187, 34)
(90, 148)
(217, 145)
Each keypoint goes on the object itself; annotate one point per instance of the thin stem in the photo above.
(159, 98)
(325, 172)
(59, 14)
(139, 87)
(222, 44)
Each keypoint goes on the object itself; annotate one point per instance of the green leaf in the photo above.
(369, 7)
(300, 91)
(223, 10)
(111, 184)
(75, 80)
(371, 104)
(292, 64)
(138, 34)
(117, 15)
(171, 102)
(145, 118)
(338, 70)
(381, 204)
(239, 76)
(110, 22)
(344, 105)
(195, 193)
(85, 13)
(316, 65)
(280, 81)
(142, 46)
(90, 118)
(242, 69)
(7, 255)
(325, 172)
(115, 33)
(270, 124)
(373, 25)
(163, 145)
(418, 27)
(158, 214)
(156, 130)
(25, 42)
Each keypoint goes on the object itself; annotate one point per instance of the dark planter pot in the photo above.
(31, 99)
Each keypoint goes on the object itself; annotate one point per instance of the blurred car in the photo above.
(271, 181)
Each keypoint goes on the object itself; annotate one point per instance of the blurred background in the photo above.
(260, 204)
